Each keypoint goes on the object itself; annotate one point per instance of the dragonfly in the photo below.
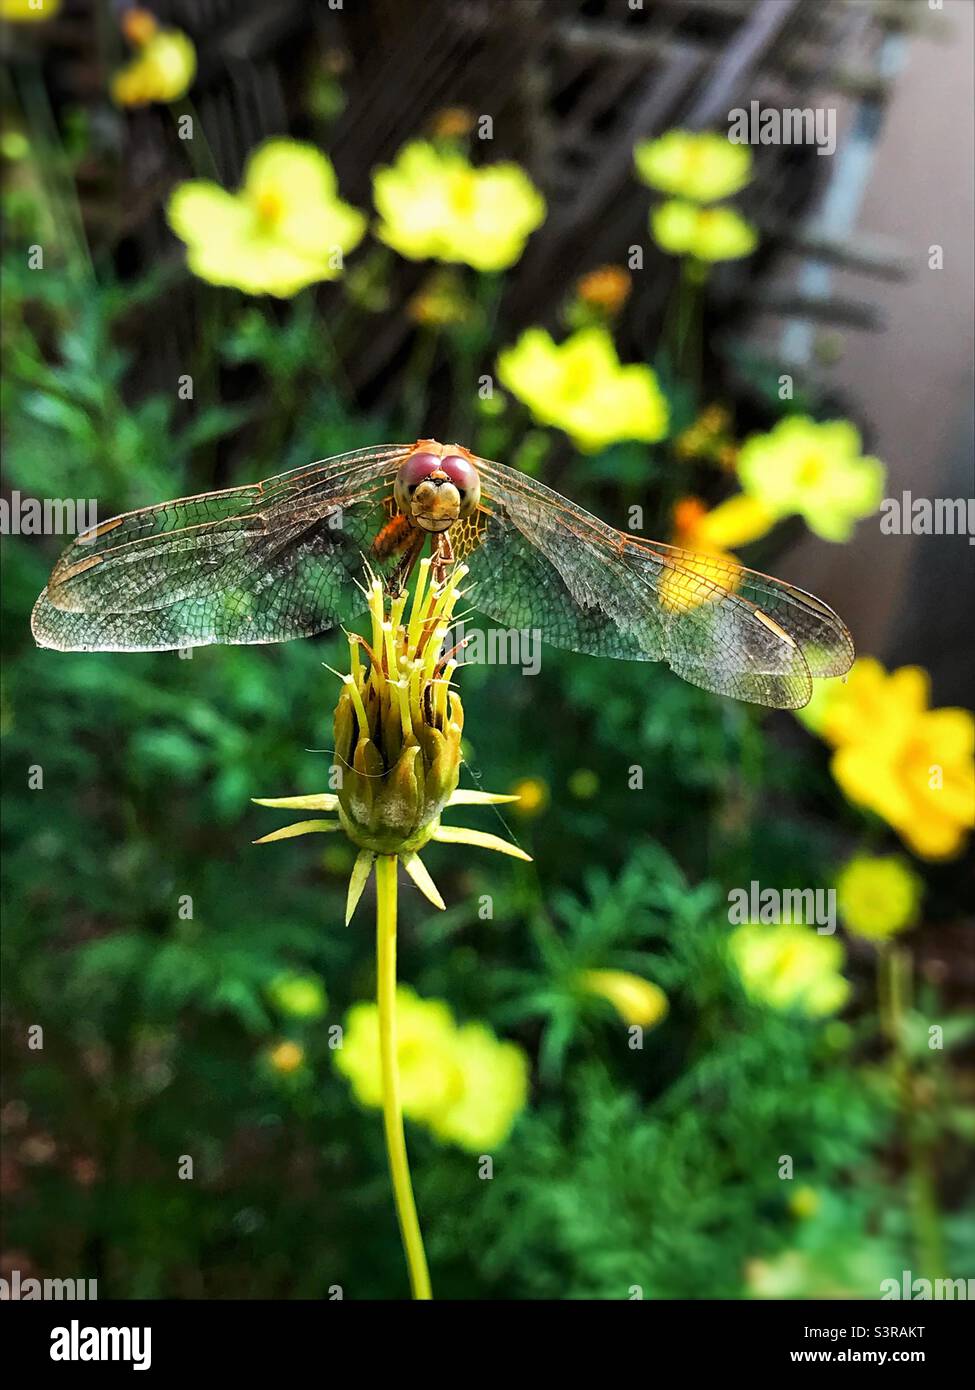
(285, 558)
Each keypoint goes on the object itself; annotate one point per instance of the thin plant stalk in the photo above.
(399, 1167)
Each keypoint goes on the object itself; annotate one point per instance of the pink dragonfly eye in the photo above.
(462, 474)
(416, 468)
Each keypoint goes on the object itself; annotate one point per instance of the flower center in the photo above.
(270, 207)
(462, 193)
(810, 470)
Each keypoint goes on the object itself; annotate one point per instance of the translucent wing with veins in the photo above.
(538, 561)
(262, 563)
(282, 559)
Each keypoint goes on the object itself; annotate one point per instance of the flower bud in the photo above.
(397, 725)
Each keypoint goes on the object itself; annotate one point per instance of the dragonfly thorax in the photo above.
(437, 485)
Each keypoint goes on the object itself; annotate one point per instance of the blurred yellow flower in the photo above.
(491, 1092)
(286, 1057)
(813, 469)
(440, 300)
(707, 234)
(790, 967)
(582, 387)
(805, 1202)
(462, 1083)
(533, 797)
(607, 288)
(435, 205)
(28, 11)
(452, 123)
(163, 69)
(698, 165)
(736, 521)
(286, 228)
(300, 996)
(637, 1001)
(910, 764)
(878, 897)
(709, 437)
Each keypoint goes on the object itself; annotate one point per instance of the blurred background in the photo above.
(483, 220)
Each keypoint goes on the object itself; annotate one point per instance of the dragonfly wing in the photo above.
(539, 561)
(262, 563)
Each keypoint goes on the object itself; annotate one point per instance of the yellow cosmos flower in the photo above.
(813, 469)
(606, 289)
(910, 764)
(435, 205)
(698, 165)
(790, 968)
(300, 996)
(286, 1058)
(637, 1001)
(163, 69)
(532, 797)
(285, 229)
(878, 897)
(734, 522)
(707, 234)
(28, 11)
(582, 387)
(462, 1083)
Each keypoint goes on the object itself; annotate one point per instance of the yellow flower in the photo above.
(285, 229)
(532, 797)
(708, 234)
(435, 205)
(582, 387)
(492, 1093)
(637, 1001)
(709, 437)
(462, 1083)
(816, 470)
(607, 288)
(701, 166)
(805, 1202)
(790, 967)
(28, 11)
(736, 521)
(910, 764)
(878, 897)
(452, 123)
(286, 1057)
(440, 300)
(162, 70)
(300, 996)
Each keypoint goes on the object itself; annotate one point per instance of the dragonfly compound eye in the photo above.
(464, 477)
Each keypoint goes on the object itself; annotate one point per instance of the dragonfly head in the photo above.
(436, 486)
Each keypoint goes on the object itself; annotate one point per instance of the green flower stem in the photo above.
(399, 1167)
(894, 987)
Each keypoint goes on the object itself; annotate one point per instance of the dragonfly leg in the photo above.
(399, 577)
(443, 557)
